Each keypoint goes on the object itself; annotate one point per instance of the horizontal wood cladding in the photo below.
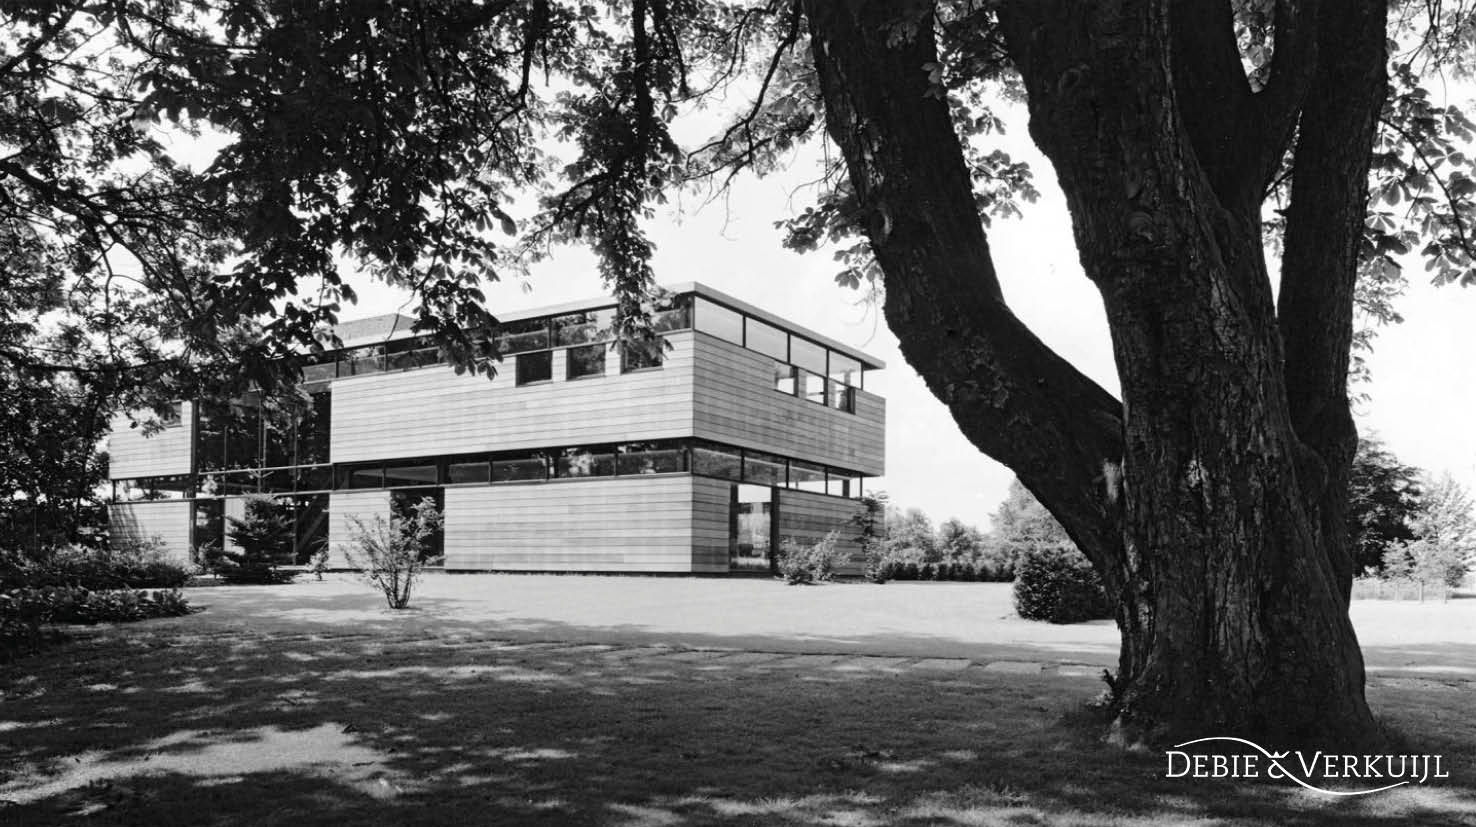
(434, 411)
(807, 517)
(131, 454)
(165, 520)
(735, 402)
(342, 505)
(622, 524)
(711, 503)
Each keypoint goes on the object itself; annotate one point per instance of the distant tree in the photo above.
(1384, 497)
(1021, 522)
(1447, 522)
(871, 531)
(910, 536)
(959, 542)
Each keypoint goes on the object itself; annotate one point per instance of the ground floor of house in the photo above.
(677, 523)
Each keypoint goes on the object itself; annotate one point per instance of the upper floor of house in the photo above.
(725, 371)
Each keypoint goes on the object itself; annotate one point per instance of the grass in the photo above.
(176, 722)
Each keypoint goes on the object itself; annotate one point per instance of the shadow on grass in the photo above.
(146, 726)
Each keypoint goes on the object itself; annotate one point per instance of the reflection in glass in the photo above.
(767, 339)
(717, 461)
(585, 462)
(763, 469)
(534, 367)
(666, 457)
(718, 320)
(588, 360)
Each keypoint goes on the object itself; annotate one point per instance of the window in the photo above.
(843, 483)
(152, 488)
(312, 430)
(517, 337)
(362, 476)
(718, 320)
(416, 352)
(766, 339)
(651, 458)
(520, 467)
(313, 478)
(243, 437)
(588, 360)
(763, 469)
(398, 475)
(716, 461)
(364, 360)
(583, 327)
(842, 397)
(806, 354)
(209, 520)
(806, 476)
(585, 462)
(534, 367)
(844, 370)
(642, 355)
(814, 387)
(784, 378)
(276, 481)
(672, 314)
(320, 371)
(465, 472)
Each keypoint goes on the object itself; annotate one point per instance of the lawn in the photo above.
(650, 701)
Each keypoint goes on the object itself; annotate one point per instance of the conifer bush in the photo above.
(1058, 585)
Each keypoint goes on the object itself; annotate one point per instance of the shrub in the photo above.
(908, 571)
(391, 554)
(264, 537)
(808, 564)
(1058, 585)
(127, 565)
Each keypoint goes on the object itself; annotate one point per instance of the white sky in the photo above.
(1423, 391)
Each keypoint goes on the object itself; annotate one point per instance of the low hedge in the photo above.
(24, 611)
(144, 565)
(957, 572)
(1059, 585)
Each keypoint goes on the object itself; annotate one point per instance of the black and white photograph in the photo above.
(651, 413)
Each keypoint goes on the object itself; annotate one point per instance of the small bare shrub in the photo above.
(390, 554)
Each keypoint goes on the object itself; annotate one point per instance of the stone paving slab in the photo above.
(1014, 667)
(944, 664)
(871, 664)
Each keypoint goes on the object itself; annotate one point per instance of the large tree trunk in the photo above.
(1208, 522)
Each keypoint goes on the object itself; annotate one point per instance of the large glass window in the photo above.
(843, 483)
(363, 360)
(767, 339)
(520, 467)
(243, 437)
(419, 474)
(718, 320)
(361, 476)
(807, 476)
(581, 328)
(845, 370)
(210, 437)
(640, 355)
(672, 314)
(807, 354)
(763, 469)
(278, 480)
(784, 378)
(321, 371)
(209, 527)
(588, 360)
(534, 367)
(667, 457)
(716, 461)
(467, 472)
(313, 429)
(842, 397)
(814, 387)
(313, 478)
(152, 488)
(416, 352)
(596, 461)
(517, 337)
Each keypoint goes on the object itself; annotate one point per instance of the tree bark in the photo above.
(1201, 510)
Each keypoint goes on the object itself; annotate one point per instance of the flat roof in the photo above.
(393, 326)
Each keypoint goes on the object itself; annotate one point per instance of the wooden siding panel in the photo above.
(735, 402)
(610, 524)
(434, 411)
(806, 517)
(711, 502)
(131, 454)
(166, 520)
(342, 505)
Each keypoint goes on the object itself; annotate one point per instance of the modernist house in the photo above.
(580, 455)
